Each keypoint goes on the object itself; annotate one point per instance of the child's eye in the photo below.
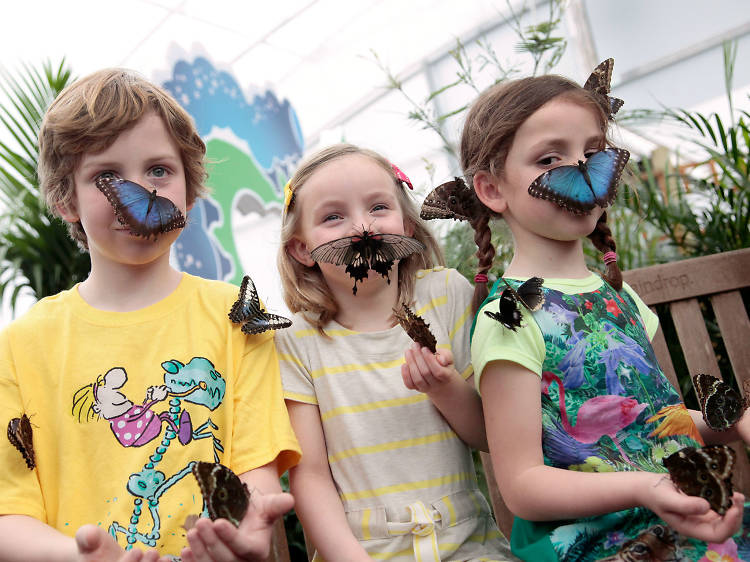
(547, 161)
(590, 153)
(106, 175)
(331, 217)
(159, 171)
(380, 207)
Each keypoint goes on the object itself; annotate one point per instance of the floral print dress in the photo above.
(607, 406)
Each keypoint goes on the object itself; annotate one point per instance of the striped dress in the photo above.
(406, 480)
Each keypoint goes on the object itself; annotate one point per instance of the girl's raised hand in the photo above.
(428, 372)
(691, 515)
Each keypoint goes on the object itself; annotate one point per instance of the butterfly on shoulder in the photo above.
(581, 187)
(247, 311)
(451, 200)
(722, 406)
(365, 251)
(144, 212)
(20, 435)
(704, 472)
(599, 82)
(416, 328)
(225, 496)
(658, 543)
(529, 294)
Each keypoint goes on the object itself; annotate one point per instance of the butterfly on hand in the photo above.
(579, 188)
(20, 435)
(225, 496)
(451, 200)
(144, 212)
(722, 406)
(599, 83)
(529, 294)
(365, 251)
(704, 472)
(416, 328)
(247, 311)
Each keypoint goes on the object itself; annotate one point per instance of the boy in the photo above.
(136, 373)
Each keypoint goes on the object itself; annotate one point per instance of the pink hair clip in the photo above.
(402, 177)
(609, 257)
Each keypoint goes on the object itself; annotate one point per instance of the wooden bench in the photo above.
(716, 279)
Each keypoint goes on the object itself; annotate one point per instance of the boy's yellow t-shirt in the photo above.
(123, 403)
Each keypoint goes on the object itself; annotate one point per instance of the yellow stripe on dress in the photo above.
(461, 321)
(408, 486)
(289, 358)
(380, 404)
(366, 534)
(338, 369)
(393, 445)
(297, 397)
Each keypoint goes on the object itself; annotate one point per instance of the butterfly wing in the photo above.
(721, 405)
(20, 435)
(704, 472)
(600, 78)
(530, 293)
(338, 252)
(450, 200)
(385, 249)
(416, 328)
(144, 212)
(265, 321)
(565, 186)
(605, 168)
(508, 314)
(224, 494)
(248, 311)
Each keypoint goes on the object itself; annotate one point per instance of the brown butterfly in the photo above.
(705, 472)
(599, 83)
(415, 326)
(224, 494)
(722, 406)
(529, 294)
(451, 200)
(20, 435)
(658, 543)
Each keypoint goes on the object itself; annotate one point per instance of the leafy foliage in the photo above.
(35, 249)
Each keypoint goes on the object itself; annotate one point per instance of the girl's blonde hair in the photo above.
(487, 136)
(89, 115)
(305, 289)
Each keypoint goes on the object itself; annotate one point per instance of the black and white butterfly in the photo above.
(451, 200)
(20, 435)
(529, 294)
(365, 251)
(599, 83)
(144, 212)
(579, 188)
(224, 494)
(247, 311)
(721, 405)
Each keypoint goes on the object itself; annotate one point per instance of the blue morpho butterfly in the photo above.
(579, 188)
(143, 211)
(247, 311)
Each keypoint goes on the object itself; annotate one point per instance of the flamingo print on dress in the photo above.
(598, 416)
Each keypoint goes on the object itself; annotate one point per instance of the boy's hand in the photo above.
(220, 541)
(427, 372)
(691, 515)
(96, 545)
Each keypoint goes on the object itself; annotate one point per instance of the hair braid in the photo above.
(485, 255)
(604, 242)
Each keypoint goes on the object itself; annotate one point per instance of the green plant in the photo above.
(35, 250)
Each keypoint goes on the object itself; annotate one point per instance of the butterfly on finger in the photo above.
(20, 435)
(225, 496)
(365, 251)
(529, 294)
(416, 328)
(705, 472)
(599, 82)
(721, 405)
(451, 200)
(247, 311)
(581, 187)
(144, 212)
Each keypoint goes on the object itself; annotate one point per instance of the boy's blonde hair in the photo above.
(305, 289)
(89, 115)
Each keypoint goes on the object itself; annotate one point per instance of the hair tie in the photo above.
(480, 278)
(609, 257)
(400, 176)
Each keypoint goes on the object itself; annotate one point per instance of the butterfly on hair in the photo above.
(20, 435)
(599, 82)
(721, 405)
(365, 251)
(247, 311)
(144, 212)
(451, 200)
(529, 294)
(705, 472)
(415, 327)
(581, 187)
(225, 496)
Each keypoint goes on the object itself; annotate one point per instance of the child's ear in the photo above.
(489, 191)
(68, 212)
(298, 250)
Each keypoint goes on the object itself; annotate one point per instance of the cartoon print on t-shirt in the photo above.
(135, 425)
